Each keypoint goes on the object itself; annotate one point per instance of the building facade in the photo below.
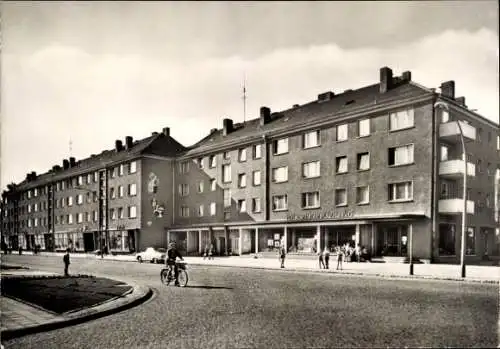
(380, 167)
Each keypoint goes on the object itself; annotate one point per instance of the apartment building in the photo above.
(380, 167)
(114, 200)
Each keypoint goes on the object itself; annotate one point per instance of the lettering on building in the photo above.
(313, 216)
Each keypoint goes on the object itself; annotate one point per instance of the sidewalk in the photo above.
(19, 318)
(474, 273)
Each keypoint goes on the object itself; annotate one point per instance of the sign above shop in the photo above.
(313, 216)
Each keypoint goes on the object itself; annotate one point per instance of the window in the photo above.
(226, 173)
(212, 161)
(36, 207)
(113, 172)
(311, 169)
(200, 187)
(280, 174)
(132, 212)
(35, 222)
(79, 199)
(94, 214)
(256, 205)
(87, 217)
(70, 201)
(280, 146)
(89, 178)
(58, 186)
(242, 155)
(96, 177)
(132, 189)
(401, 155)
(342, 133)
(200, 211)
(63, 200)
(310, 200)
(226, 155)
(479, 135)
(184, 167)
(120, 213)
(35, 192)
(257, 151)
(120, 191)
(488, 200)
(227, 197)
(341, 197)
(183, 189)
(362, 195)
(184, 211)
(29, 208)
(280, 202)
(29, 194)
(242, 206)
(200, 163)
(443, 154)
(121, 169)
(94, 196)
(364, 128)
(133, 167)
(479, 165)
(70, 219)
(341, 164)
(79, 218)
(498, 142)
(470, 243)
(401, 120)
(242, 180)
(112, 193)
(311, 139)
(212, 208)
(80, 180)
(400, 191)
(213, 184)
(363, 161)
(256, 177)
(89, 197)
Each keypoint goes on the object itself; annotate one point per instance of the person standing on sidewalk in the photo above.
(321, 262)
(326, 256)
(340, 257)
(282, 255)
(66, 262)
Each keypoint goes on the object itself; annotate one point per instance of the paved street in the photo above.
(231, 307)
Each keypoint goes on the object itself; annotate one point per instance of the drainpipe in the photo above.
(434, 174)
(267, 178)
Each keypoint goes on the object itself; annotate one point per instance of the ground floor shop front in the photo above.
(381, 238)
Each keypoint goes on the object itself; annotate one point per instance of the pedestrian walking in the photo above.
(211, 252)
(66, 262)
(340, 257)
(282, 255)
(321, 262)
(326, 257)
(205, 252)
(358, 253)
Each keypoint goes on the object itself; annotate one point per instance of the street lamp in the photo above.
(464, 194)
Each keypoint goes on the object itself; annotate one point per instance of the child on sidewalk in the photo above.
(66, 262)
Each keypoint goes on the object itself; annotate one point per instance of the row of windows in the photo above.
(402, 191)
(81, 180)
(397, 121)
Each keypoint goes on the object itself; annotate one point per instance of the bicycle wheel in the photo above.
(183, 278)
(164, 277)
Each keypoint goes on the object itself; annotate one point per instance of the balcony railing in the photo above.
(450, 131)
(455, 169)
(455, 206)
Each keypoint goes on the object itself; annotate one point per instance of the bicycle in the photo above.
(167, 274)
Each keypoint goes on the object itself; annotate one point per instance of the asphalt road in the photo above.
(245, 308)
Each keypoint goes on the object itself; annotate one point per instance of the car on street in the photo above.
(152, 254)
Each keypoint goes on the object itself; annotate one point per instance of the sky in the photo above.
(94, 72)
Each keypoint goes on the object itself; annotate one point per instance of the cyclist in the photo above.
(172, 254)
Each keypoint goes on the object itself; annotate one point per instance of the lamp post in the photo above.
(464, 194)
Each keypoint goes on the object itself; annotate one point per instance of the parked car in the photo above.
(154, 255)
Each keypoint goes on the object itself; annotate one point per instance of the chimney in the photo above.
(65, 164)
(227, 126)
(129, 141)
(28, 177)
(265, 115)
(166, 131)
(213, 130)
(461, 101)
(72, 162)
(406, 76)
(118, 145)
(154, 133)
(448, 89)
(296, 105)
(324, 97)
(385, 79)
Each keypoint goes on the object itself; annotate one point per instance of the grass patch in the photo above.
(61, 295)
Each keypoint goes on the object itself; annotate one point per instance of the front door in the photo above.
(88, 242)
(222, 246)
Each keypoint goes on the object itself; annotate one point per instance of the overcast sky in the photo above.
(94, 72)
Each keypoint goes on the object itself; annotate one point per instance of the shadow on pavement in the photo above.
(211, 287)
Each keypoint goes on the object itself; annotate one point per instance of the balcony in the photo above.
(451, 133)
(455, 206)
(454, 169)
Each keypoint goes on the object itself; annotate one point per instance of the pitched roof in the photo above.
(310, 112)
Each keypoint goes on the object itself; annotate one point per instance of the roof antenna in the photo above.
(244, 99)
(70, 146)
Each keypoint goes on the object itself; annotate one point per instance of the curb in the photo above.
(363, 274)
(139, 295)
